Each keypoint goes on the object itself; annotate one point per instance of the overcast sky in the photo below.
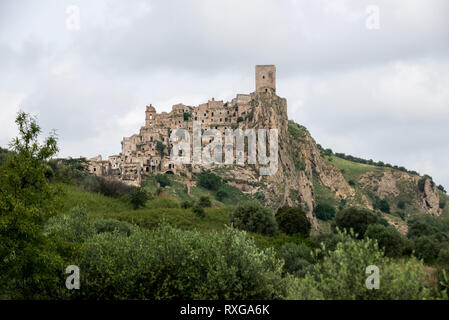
(377, 93)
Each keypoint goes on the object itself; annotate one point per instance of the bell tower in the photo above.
(265, 78)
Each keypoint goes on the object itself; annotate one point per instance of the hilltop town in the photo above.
(148, 152)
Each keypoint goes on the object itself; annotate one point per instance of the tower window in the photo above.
(266, 90)
(263, 77)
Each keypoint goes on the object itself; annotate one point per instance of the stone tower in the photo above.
(265, 78)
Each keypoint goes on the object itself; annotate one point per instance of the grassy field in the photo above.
(163, 208)
(353, 170)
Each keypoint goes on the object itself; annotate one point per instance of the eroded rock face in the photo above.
(388, 184)
(431, 198)
(383, 184)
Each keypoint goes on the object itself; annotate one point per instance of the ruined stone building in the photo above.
(140, 154)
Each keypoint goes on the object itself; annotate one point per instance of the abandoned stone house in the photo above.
(140, 154)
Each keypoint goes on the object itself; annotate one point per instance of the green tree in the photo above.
(209, 180)
(388, 238)
(251, 216)
(27, 201)
(138, 198)
(324, 211)
(293, 220)
(355, 218)
(221, 194)
(204, 202)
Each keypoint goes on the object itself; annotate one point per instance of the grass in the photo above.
(163, 208)
(353, 170)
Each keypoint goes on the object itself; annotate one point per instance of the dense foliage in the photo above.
(251, 216)
(293, 220)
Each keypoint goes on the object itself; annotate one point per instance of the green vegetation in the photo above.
(324, 211)
(251, 216)
(168, 243)
(293, 220)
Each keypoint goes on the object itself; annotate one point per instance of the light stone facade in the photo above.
(140, 155)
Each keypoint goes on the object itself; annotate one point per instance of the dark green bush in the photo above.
(204, 202)
(199, 211)
(426, 248)
(251, 216)
(138, 198)
(298, 258)
(382, 205)
(111, 225)
(221, 194)
(388, 238)
(163, 180)
(355, 218)
(293, 220)
(209, 181)
(324, 211)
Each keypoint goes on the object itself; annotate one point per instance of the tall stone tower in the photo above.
(265, 78)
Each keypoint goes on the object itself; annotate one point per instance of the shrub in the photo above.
(382, 205)
(172, 264)
(204, 202)
(74, 227)
(387, 238)
(107, 187)
(419, 229)
(341, 275)
(251, 216)
(293, 220)
(221, 194)
(298, 258)
(355, 218)
(199, 211)
(111, 225)
(163, 180)
(138, 198)
(209, 181)
(325, 212)
(426, 248)
(401, 204)
(187, 204)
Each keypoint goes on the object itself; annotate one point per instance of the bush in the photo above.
(355, 218)
(293, 220)
(204, 202)
(199, 211)
(111, 225)
(74, 227)
(221, 194)
(172, 264)
(209, 181)
(382, 205)
(251, 216)
(419, 229)
(401, 204)
(138, 198)
(325, 212)
(187, 204)
(387, 238)
(426, 248)
(107, 187)
(341, 275)
(298, 258)
(163, 180)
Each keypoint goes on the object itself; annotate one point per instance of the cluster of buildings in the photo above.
(148, 152)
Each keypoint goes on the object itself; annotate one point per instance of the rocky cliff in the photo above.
(302, 168)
